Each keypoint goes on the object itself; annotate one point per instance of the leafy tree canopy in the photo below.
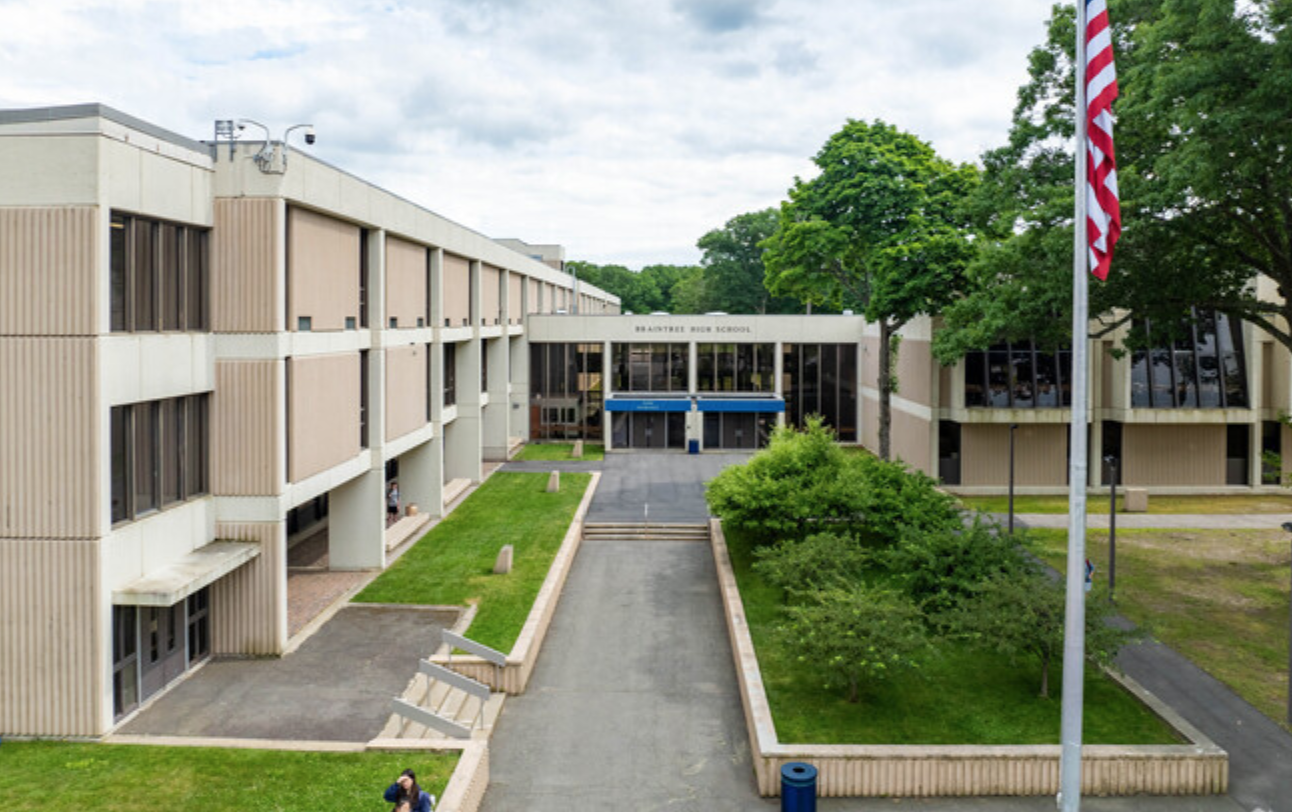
(645, 291)
(882, 229)
(732, 278)
(1204, 150)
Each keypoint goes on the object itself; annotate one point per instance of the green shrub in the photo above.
(856, 635)
(821, 561)
(1020, 616)
(788, 490)
(893, 500)
(941, 566)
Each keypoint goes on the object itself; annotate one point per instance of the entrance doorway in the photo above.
(649, 430)
(163, 652)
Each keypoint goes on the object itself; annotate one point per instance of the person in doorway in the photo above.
(392, 502)
(407, 796)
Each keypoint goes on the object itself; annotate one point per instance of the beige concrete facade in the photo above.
(305, 367)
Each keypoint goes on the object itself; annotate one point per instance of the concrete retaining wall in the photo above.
(1197, 768)
(514, 676)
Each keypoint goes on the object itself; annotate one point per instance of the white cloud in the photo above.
(624, 130)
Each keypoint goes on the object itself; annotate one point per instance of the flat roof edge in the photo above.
(35, 115)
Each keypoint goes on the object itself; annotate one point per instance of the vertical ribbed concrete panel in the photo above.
(51, 651)
(535, 292)
(245, 437)
(1040, 454)
(406, 390)
(248, 606)
(515, 302)
(406, 280)
(457, 291)
(48, 279)
(49, 438)
(323, 255)
(323, 416)
(244, 266)
(490, 295)
(1173, 454)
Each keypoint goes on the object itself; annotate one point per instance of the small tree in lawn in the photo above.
(1020, 615)
(856, 635)
(821, 561)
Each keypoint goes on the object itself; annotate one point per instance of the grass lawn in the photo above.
(1237, 503)
(120, 778)
(1219, 597)
(453, 563)
(965, 697)
(560, 452)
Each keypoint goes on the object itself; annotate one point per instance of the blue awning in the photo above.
(648, 405)
(744, 405)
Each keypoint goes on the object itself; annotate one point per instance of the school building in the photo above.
(209, 350)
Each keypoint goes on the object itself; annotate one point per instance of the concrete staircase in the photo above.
(646, 531)
(443, 704)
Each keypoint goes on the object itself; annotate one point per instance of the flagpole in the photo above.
(1074, 637)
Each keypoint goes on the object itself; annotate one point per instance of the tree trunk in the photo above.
(852, 690)
(1045, 676)
(885, 393)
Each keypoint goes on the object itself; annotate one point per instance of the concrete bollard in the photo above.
(554, 482)
(1135, 500)
(502, 566)
(577, 453)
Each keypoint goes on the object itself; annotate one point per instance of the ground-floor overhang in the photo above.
(168, 585)
(700, 403)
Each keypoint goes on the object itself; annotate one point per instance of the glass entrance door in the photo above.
(163, 652)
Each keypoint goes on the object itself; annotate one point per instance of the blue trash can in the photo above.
(693, 446)
(798, 787)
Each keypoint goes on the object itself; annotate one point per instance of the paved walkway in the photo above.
(1166, 521)
(336, 687)
(634, 706)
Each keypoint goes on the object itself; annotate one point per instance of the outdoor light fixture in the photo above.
(272, 157)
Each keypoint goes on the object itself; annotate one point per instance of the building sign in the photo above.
(643, 405)
(694, 329)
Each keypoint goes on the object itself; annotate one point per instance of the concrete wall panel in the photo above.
(406, 279)
(245, 289)
(406, 390)
(322, 270)
(490, 295)
(245, 439)
(248, 606)
(457, 291)
(50, 440)
(515, 300)
(323, 413)
(1040, 454)
(1173, 455)
(48, 271)
(51, 649)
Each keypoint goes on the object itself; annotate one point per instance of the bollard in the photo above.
(798, 787)
(554, 482)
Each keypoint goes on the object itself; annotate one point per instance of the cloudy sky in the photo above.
(622, 129)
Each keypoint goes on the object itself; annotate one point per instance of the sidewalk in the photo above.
(1260, 752)
(1165, 521)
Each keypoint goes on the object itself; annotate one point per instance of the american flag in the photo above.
(1103, 211)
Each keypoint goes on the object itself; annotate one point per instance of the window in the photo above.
(158, 276)
(125, 660)
(1018, 376)
(1202, 368)
(566, 391)
(159, 455)
(363, 281)
(363, 398)
(821, 379)
(450, 374)
(484, 366)
(650, 367)
(199, 625)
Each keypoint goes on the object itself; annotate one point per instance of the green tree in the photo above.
(821, 561)
(688, 294)
(732, 263)
(882, 229)
(1020, 615)
(856, 635)
(1203, 135)
(940, 567)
